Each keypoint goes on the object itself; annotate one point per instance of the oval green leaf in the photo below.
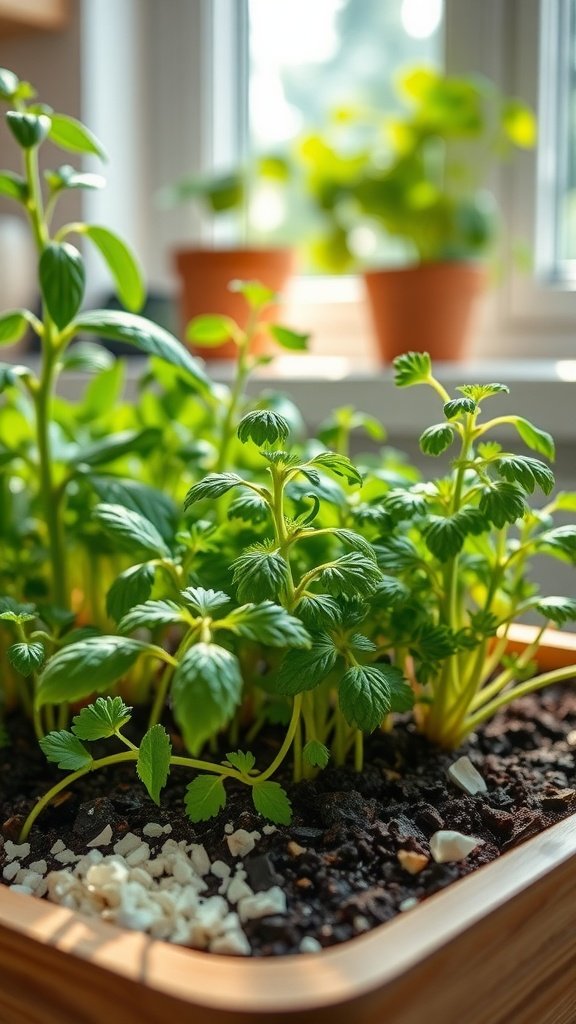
(122, 266)
(73, 136)
(62, 279)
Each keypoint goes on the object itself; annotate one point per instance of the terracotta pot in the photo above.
(497, 946)
(428, 308)
(204, 277)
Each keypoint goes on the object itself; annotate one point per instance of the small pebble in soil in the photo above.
(464, 775)
(446, 846)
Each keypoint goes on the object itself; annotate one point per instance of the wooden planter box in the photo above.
(498, 947)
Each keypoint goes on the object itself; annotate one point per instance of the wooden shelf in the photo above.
(17, 16)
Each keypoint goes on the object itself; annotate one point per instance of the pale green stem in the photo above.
(521, 690)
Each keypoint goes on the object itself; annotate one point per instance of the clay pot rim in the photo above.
(432, 267)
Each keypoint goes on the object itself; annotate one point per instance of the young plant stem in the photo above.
(43, 397)
(447, 684)
(164, 684)
(243, 368)
(288, 739)
(520, 690)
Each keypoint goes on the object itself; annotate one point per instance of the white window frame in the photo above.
(191, 69)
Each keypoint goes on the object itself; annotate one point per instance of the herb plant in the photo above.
(459, 573)
(61, 274)
(196, 555)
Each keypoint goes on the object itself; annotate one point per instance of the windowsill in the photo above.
(541, 390)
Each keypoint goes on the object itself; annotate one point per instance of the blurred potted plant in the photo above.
(420, 179)
(204, 272)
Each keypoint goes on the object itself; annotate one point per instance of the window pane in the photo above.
(556, 235)
(308, 57)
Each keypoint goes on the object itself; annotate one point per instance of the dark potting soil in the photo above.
(338, 861)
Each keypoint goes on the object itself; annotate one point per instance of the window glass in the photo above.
(308, 58)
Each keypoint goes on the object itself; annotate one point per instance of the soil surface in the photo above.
(338, 861)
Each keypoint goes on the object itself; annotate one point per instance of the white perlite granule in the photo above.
(446, 846)
(104, 838)
(164, 894)
(15, 851)
(464, 775)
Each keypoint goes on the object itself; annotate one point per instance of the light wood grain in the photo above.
(499, 947)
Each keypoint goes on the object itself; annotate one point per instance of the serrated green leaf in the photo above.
(318, 610)
(133, 586)
(558, 609)
(69, 134)
(153, 765)
(147, 337)
(561, 542)
(268, 624)
(214, 485)
(350, 574)
(131, 529)
(412, 368)
(437, 439)
(26, 657)
(444, 536)
(527, 472)
(394, 554)
(459, 407)
(359, 642)
(316, 754)
(249, 507)
(211, 330)
(15, 611)
(292, 340)
(122, 265)
(538, 440)
(271, 801)
(390, 593)
(62, 279)
(263, 426)
(206, 602)
(205, 797)
(206, 690)
(478, 392)
(104, 718)
(366, 694)
(356, 541)
(244, 762)
(404, 503)
(502, 503)
(340, 465)
(304, 670)
(65, 750)
(259, 575)
(150, 615)
(90, 666)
